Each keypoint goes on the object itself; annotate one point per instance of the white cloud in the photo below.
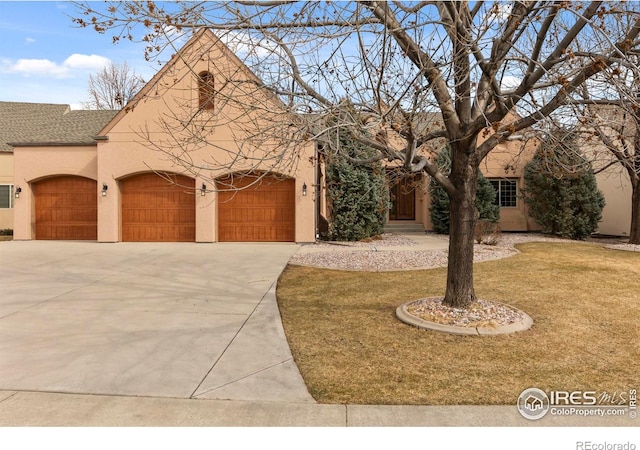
(29, 40)
(70, 68)
(29, 67)
(91, 62)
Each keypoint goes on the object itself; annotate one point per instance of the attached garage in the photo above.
(253, 209)
(66, 208)
(158, 208)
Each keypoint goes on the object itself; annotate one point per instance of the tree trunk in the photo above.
(634, 235)
(460, 292)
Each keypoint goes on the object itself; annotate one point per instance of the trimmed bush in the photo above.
(357, 194)
(561, 190)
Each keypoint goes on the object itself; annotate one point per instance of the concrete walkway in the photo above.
(54, 409)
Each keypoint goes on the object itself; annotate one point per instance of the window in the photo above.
(206, 90)
(506, 193)
(6, 196)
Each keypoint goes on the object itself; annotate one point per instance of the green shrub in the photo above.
(485, 203)
(357, 194)
(561, 190)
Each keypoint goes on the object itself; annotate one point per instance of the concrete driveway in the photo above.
(145, 319)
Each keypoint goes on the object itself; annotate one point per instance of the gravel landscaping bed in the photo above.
(374, 255)
(385, 240)
(626, 247)
(374, 260)
(482, 313)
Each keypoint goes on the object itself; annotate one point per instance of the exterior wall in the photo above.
(613, 181)
(34, 163)
(423, 202)
(616, 215)
(6, 177)
(507, 161)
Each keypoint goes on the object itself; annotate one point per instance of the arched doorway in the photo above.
(66, 208)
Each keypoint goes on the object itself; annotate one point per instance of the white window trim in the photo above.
(11, 193)
(512, 180)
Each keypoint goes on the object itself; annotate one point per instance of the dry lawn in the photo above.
(584, 300)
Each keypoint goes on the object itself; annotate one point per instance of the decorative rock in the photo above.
(486, 319)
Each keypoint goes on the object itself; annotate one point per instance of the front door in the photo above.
(403, 200)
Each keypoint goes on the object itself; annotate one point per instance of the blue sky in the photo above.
(45, 58)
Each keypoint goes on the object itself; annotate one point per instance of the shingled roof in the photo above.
(48, 124)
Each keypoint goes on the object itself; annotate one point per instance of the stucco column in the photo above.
(305, 208)
(205, 211)
(23, 217)
(108, 210)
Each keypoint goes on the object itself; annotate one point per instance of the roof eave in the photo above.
(52, 144)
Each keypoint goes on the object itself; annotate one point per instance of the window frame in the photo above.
(206, 90)
(11, 194)
(499, 192)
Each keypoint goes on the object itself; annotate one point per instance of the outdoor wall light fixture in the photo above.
(104, 189)
(18, 190)
(304, 189)
(203, 189)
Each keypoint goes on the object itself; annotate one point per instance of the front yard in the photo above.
(584, 300)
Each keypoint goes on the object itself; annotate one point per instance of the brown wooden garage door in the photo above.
(66, 207)
(156, 209)
(261, 213)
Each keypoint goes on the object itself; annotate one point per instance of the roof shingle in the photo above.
(45, 123)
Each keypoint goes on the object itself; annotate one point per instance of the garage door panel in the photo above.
(66, 207)
(157, 210)
(264, 212)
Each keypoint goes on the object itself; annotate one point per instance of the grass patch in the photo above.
(350, 347)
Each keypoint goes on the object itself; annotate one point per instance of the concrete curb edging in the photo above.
(403, 314)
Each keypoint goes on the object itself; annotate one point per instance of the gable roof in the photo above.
(200, 36)
(48, 124)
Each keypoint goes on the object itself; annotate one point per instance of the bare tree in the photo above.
(407, 76)
(113, 86)
(609, 118)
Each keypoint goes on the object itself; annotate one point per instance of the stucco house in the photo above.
(201, 154)
(128, 180)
